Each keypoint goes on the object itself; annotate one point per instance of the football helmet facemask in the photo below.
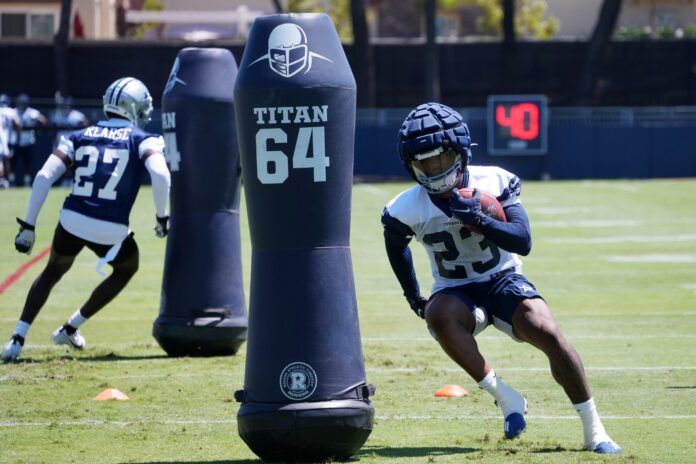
(434, 146)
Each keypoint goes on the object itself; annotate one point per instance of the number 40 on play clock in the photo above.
(517, 125)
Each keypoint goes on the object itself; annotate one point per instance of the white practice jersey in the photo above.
(458, 256)
(28, 118)
(72, 120)
(7, 115)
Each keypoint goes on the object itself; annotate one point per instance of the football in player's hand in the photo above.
(489, 203)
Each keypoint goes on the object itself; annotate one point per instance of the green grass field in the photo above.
(615, 260)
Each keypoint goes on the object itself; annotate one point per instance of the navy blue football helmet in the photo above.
(435, 146)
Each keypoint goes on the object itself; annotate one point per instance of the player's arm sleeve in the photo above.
(397, 236)
(151, 151)
(514, 235)
(161, 181)
(52, 170)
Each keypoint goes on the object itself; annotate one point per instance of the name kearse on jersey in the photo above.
(110, 133)
(291, 114)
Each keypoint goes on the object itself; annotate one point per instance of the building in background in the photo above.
(577, 18)
(38, 20)
(195, 20)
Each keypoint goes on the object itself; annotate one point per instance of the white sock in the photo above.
(77, 319)
(21, 329)
(593, 430)
(508, 399)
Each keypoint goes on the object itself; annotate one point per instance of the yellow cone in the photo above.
(111, 394)
(451, 391)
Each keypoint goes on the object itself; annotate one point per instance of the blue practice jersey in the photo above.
(108, 168)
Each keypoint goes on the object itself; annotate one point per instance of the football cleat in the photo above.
(514, 423)
(607, 447)
(61, 337)
(514, 410)
(12, 349)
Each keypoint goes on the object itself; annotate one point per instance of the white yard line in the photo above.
(396, 339)
(540, 369)
(651, 258)
(150, 375)
(625, 239)
(556, 210)
(370, 189)
(588, 223)
(418, 338)
(691, 287)
(384, 417)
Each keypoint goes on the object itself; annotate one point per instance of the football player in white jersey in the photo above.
(475, 265)
(9, 123)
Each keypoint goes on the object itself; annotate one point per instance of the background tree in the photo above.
(338, 10)
(432, 58)
(531, 18)
(363, 62)
(277, 5)
(145, 28)
(60, 47)
(508, 24)
(601, 36)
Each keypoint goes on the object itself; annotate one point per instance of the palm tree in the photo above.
(432, 59)
(363, 56)
(60, 47)
(278, 6)
(508, 24)
(601, 36)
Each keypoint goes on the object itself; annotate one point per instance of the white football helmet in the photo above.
(130, 99)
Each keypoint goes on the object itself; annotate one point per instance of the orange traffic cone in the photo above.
(111, 394)
(451, 391)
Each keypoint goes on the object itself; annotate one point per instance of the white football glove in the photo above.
(24, 241)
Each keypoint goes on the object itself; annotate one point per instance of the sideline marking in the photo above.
(22, 269)
(652, 258)
(396, 417)
(626, 238)
(588, 223)
(148, 375)
(535, 369)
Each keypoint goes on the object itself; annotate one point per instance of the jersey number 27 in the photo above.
(84, 185)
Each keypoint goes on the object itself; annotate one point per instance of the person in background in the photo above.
(65, 119)
(9, 125)
(22, 161)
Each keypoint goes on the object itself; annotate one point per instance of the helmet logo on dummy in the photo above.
(173, 79)
(298, 381)
(288, 51)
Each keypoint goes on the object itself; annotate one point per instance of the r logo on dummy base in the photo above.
(298, 381)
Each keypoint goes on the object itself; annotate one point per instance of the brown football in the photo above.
(489, 204)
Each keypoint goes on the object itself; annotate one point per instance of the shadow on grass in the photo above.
(557, 449)
(118, 357)
(95, 358)
(367, 452)
(414, 452)
(231, 461)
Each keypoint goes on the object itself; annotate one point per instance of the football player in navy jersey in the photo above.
(110, 159)
(475, 265)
